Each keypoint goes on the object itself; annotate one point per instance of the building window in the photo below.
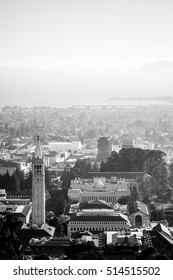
(37, 169)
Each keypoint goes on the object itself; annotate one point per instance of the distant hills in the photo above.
(152, 81)
(29, 87)
(158, 67)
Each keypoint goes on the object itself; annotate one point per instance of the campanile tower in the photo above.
(38, 186)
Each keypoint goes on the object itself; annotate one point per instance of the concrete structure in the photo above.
(104, 146)
(38, 186)
(98, 188)
(64, 146)
(139, 215)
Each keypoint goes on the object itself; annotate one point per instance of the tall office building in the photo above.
(38, 186)
(104, 145)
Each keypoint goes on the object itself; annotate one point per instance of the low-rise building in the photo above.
(139, 215)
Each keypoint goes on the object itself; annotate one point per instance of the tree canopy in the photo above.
(138, 160)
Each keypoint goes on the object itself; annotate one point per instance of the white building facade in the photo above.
(99, 188)
(64, 146)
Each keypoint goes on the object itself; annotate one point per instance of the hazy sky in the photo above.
(86, 41)
(70, 34)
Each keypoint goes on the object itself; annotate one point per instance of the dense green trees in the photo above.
(20, 182)
(123, 200)
(133, 160)
(56, 223)
(85, 251)
(170, 176)
(66, 178)
(9, 241)
(139, 160)
(82, 166)
(13, 183)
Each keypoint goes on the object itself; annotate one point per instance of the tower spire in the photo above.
(38, 152)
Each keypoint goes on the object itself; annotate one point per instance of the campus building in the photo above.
(98, 188)
(96, 216)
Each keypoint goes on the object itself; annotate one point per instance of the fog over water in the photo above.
(59, 88)
(73, 52)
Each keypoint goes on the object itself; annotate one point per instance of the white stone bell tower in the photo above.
(38, 186)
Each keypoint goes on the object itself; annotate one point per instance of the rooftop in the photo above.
(19, 211)
(94, 204)
(136, 206)
(31, 232)
(118, 175)
(115, 218)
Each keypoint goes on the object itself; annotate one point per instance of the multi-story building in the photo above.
(98, 188)
(97, 223)
(131, 177)
(104, 145)
(96, 217)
